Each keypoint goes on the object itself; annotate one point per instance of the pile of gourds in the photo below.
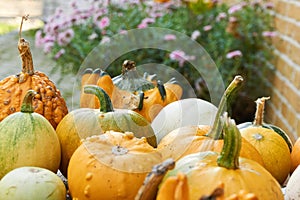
(135, 138)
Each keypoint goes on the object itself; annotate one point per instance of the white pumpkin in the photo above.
(29, 183)
(292, 189)
(184, 112)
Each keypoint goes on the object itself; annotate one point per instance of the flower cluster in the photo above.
(236, 37)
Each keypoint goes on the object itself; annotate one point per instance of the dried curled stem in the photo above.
(24, 49)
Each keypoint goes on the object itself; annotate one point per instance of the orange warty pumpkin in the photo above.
(48, 100)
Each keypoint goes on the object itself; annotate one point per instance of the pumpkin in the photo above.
(89, 77)
(110, 166)
(48, 100)
(132, 91)
(29, 183)
(83, 122)
(28, 139)
(273, 148)
(205, 170)
(184, 112)
(195, 138)
(295, 155)
(176, 188)
(292, 189)
(150, 185)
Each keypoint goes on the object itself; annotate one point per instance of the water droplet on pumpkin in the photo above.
(258, 136)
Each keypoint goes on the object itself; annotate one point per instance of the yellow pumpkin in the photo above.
(273, 148)
(110, 166)
(84, 122)
(205, 170)
(191, 139)
(28, 139)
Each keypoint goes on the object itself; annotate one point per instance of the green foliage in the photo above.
(237, 38)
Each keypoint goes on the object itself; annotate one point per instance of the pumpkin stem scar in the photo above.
(118, 150)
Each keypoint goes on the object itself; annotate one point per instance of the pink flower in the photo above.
(236, 8)
(39, 38)
(195, 34)
(48, 47)
(156, 14)
(142, 25)
(180, 56)
(234, 54)
(105, 39)
(123, 32)
(232, 19)
(103, 23)
(65, 37)
(59, 54)
(221, 16)
(207, 28)
(148, 20)
(170, 37)
(269, 34)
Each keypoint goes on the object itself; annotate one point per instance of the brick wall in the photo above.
(283, 76)
(283, 109)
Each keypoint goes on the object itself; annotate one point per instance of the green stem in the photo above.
(26, 106)
(105, 102)
(231, 89)
(259, 114)
(229, 156)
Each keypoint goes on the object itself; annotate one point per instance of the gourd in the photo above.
(83, 122)
(48, 100)
(295, 155)
(184, 112)
(272, 145)
(205, 170)
(28, 139)
(292, 189)
(195, 138)
(110, 166)
(89, 77)
(132, 91)
(28, 183)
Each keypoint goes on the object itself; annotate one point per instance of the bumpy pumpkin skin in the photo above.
(48, 101)
(110, 166)
(28, 139)
(83, 122)
(191, 139)
(205, 170)
(251, 177)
